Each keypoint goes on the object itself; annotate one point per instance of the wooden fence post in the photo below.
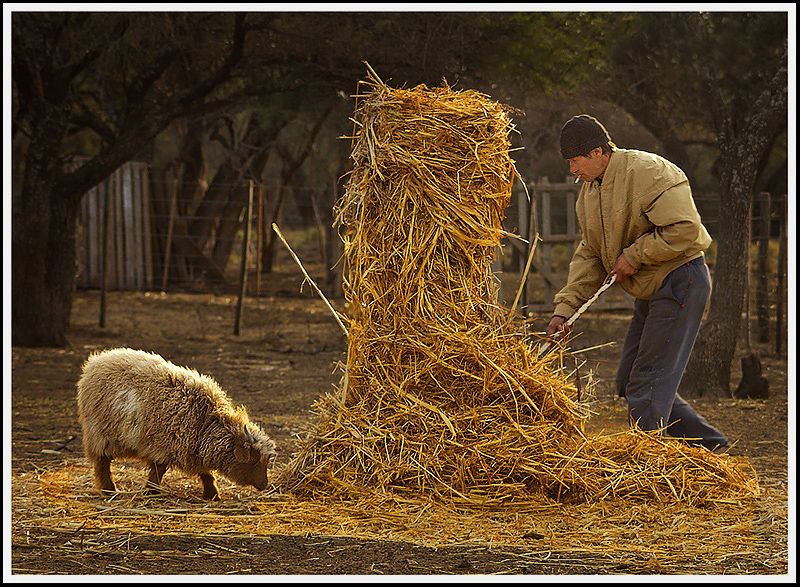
(259, 235)
(547, 230)
(119, 230)
(333, 245)
(523, 203)
(144, 181)
(782, 269)
(532, 233)
(572, 217)
(104, 252)
(243, 266)
(762, 292)
(518, 259)
(173, 210)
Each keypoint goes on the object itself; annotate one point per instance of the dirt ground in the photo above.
(280, 363)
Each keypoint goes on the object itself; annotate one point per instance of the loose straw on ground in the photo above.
(603, 535)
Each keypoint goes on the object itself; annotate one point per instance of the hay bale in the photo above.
(441, 395)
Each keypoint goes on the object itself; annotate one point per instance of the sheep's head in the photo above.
(254, 455)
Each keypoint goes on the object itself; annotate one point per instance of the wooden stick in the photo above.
(173, 210)
(104, 254)
(259, 236)
(308, 277)
(782, 266)
(609, 281)
(243, 266)
(525, 273)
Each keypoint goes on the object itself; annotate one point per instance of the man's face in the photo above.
(589, 167)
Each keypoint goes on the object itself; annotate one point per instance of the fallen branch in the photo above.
(308, 278)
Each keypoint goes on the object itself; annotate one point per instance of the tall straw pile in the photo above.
(441, 397)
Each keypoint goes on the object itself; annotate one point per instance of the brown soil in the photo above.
(281, 362)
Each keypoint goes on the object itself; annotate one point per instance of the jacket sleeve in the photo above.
(586, 274)
(677, 229)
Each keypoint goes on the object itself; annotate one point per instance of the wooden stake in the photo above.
(173, 210)
(243, 265)
(308, 278)
(525, 273)
(782, 270)
(104, 253)
(259, 236)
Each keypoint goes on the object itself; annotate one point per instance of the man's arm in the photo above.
(677, 229)
(586, 273)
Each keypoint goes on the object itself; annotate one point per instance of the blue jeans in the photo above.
(657, 347)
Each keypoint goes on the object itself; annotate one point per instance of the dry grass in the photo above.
(711, 538)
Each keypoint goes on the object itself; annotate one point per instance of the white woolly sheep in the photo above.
(135, 404)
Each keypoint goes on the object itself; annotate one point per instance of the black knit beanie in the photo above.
(581, 134)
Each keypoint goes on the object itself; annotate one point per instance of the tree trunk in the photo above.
(192, 186)
(270, 242)
(42, 264)
(709, 369)
(160, 179)
(291, 164)
(216, 199)
(743, 141)
(43, 253)
(229, 225)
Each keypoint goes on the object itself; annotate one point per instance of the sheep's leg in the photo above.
(157, 471)
(102, 474)
(210, 490)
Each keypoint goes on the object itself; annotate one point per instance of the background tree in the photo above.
(81, 76)
(724, 111)
(103, 86)
(747, 126)
(110, 87)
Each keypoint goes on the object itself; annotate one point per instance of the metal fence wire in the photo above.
(135, 233)
(140, 232)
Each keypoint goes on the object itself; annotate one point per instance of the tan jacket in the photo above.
(644, 210)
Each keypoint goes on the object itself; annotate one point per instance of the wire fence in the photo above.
(140, 232)
(550, 214)
(144, 231)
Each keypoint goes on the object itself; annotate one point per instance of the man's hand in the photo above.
(623, 270)
(558, 324)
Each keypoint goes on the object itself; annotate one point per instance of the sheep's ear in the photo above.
(242, 452)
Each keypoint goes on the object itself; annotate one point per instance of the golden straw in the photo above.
(441, 396)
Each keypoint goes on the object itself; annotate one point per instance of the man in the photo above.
(638, 220)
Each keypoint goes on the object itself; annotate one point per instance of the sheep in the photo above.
(136, 404)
